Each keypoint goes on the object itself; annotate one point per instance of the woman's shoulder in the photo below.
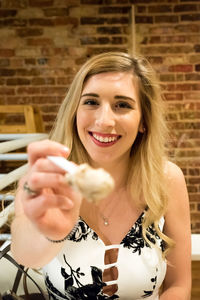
(176, 186)
(173, 171)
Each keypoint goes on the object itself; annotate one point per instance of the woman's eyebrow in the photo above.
(124, 97)
(116, 97)
(90, 94)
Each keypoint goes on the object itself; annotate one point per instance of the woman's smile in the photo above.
(104, 140)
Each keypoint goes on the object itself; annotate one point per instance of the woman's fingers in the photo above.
(44, 174)
(40, 149)
(37, 207)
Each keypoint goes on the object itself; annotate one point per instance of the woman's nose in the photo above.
(105, 116)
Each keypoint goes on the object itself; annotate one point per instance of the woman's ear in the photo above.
(142, 128)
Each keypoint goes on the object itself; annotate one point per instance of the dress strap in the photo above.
(111, 282)
(110, 265)
(108, 247)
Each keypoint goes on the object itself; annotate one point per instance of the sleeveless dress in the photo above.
(76, 272)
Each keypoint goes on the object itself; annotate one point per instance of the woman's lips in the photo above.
(104, 139)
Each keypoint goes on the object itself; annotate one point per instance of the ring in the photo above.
(29, 190)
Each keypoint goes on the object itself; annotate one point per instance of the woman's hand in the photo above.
(54, 209)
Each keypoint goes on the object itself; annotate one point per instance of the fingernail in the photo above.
(66, 149)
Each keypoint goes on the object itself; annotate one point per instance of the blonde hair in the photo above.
(148, 153)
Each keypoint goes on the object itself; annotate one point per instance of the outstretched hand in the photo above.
(54, 206)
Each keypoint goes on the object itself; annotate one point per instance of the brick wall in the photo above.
(44, 42)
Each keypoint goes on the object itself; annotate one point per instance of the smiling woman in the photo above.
(112, 117)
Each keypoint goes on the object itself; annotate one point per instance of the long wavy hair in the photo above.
(148, 154)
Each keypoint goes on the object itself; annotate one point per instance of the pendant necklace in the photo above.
(105, 220)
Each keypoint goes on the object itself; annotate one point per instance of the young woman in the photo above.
(135, 240)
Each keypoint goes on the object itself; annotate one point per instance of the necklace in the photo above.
(105, 220)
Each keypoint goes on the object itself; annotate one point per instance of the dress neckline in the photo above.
(116, 245)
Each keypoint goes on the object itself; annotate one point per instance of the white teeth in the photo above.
(104, 139)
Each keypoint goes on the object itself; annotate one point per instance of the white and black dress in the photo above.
(76, 272)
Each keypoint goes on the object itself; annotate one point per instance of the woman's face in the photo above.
(109, 117)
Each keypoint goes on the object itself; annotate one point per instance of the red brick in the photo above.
(14, 22)
(173, 96)
(167, 77)
(196, 87)
(119, 40)
(19, 100)
(64, 80)
(184, 87)
(167, 39)
(14, 4)
(192, 76)
(160, 9)
(187, 28)
(41, 3)
(5, 13)
(117, 20)
(195, 197)
(41, 22)
(7, 72)
(4, 62)
(189, 115)
(54, 90)
(40, 42)
(181, 68)
(185, 8)
(194, 171)
(7, 52)
(190, 17)
(28, 90)
(49, 117)
(42, 61)
(94, 2)
(166, 19)
(18, 81)
(192, 96)
(60, 21)
(7, 91)
(166, 49)
(155, 59)
(43, 81)
(53, 12)
(114, 10)
(50, 108)
(47, 99)
(143, 19)
(92, 20)
(192, 189)
(30, 61)
(140, 9)
(26, 32)
(197, 67)
(109, 30)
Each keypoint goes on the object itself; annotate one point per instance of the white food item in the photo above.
(94, 184)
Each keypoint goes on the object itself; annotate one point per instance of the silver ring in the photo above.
(29, 191)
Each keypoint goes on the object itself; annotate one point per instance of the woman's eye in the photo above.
(123, 105)
(90, 102)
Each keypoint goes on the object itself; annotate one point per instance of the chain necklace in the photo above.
(105, 220)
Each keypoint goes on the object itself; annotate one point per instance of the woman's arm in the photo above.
(51, 213)
(177, 283)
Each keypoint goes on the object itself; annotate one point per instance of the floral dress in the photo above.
(76, 273)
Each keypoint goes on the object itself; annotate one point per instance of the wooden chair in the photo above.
(28, 114)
